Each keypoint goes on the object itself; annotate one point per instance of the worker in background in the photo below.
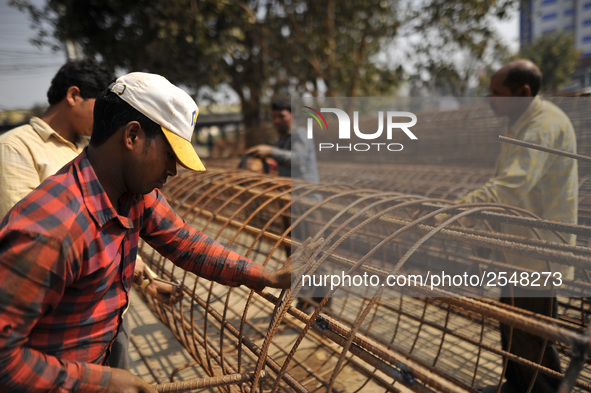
(32, 152)
(294, 153)
(296, 158)
(541, 183)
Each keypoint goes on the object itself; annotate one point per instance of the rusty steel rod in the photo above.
(202, 383)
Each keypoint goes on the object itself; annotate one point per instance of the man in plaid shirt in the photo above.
(68, 249)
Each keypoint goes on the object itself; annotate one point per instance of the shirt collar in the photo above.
(525, 117)
(46, 132)
(95, 198)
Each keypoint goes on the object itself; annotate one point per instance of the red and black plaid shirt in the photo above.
(66, 266)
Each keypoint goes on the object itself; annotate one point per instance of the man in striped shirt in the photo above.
(68, 250)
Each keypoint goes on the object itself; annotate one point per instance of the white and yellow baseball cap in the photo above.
(168, 106)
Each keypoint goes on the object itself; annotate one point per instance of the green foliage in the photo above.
(333, 43)
(556, 56)
(457, 43)
(262, 48)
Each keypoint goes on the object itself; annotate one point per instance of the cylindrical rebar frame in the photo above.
(371, 339)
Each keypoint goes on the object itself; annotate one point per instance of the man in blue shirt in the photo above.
(294, 153)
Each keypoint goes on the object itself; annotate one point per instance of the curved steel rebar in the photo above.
(363, 339)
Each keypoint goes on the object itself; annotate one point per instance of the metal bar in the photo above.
(201, 383)
(544, 149)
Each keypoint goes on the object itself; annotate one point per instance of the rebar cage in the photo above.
(412, 338)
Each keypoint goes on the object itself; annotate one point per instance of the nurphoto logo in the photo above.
(392, 129)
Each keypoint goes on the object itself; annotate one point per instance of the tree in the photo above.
(264, 47)
(556, 56)
(193, 43)
(256, 47)
(454, 42)
(331, 49)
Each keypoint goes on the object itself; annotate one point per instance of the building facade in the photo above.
(539, 17)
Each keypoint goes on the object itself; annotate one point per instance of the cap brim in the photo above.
(184, 150)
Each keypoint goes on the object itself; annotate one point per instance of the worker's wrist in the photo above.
(144, 276)
(138, 279)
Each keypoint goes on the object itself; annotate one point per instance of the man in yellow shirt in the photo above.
(542, 183)
(34, 151)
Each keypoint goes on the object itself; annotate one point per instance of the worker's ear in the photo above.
(524, 91)
(72, 94)
(132, 133)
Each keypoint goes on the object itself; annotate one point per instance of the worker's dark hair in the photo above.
(520, 76)
(89, 76)
(112, 113)
(281, 103)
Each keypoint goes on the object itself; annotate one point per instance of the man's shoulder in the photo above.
(549, 119)
(300, 135)
(21, 135)
(50, 208)
(550, 111)
(549, 126)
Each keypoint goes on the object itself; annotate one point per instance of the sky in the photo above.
(26, 70)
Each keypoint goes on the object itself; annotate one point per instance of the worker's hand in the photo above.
(138, 271)
(166, 293)
(260, 151)
(122, 381)
(282, 277)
